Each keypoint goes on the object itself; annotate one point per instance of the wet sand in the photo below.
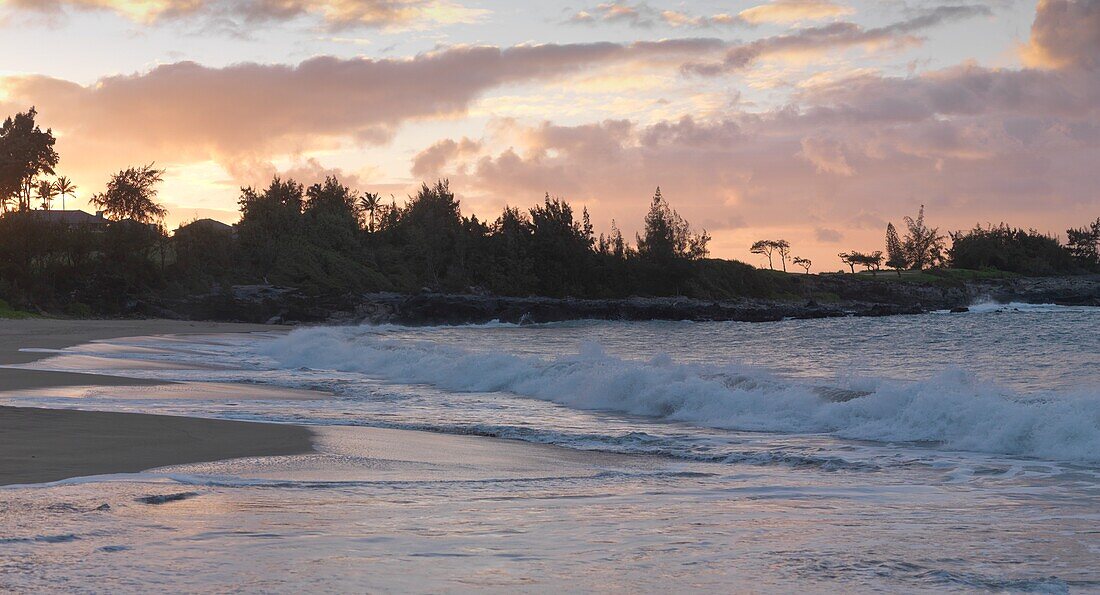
(40, 445)
(59, 334)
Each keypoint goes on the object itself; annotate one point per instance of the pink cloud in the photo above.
(974, 144)
(335, 14)
(1066, 34)
(187, 112)
(831, 37)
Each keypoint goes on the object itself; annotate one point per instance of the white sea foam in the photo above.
(986, 307)
(953, 409)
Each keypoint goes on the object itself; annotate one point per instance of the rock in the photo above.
(854, 296)
(959, 310)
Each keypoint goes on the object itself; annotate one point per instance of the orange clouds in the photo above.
(187, 112)
(793, 11)
(334, 13)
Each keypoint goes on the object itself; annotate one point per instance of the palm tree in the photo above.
(46, 194)
(369, 203)
(64, 187)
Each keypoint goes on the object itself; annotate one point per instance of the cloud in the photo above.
(615, 12)
(258, 173)
(429, 162)
(826, 155)
(188, 112)
(834, 36)
(786, 12)
(335, 14)
(676, 18)
(644, 16)
(1066, 34)
(972, 143)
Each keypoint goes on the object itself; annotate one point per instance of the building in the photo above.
(73, 218)
(208, 226)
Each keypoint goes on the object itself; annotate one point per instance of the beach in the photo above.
(40, 445)
(44, 445)
(606, 456)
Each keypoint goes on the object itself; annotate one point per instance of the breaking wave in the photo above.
(953, 409)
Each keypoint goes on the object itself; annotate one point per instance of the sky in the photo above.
(814, 121)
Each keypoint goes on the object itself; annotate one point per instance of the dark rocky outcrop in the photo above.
(1079, 290)
(825, 296)
(429, 308)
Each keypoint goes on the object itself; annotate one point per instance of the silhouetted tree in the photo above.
(329, 216)
(513, 273)
(560, 247)
(131, 194)
(805, 263)
(26, 152)
(270, 220)
(369, 204)
(430, 226)
(619, 248)
(1084, 244)
(872, 262)
(64, 188)
(783, 248)
(895, 251)
(924, 246)
(667, 236)
(850, 259)
(766, 248)
(45, 192)
(1004, 248)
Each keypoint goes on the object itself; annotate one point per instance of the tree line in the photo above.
(327, 238)
(992, 247)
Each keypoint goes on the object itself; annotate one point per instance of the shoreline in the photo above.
(42, 445)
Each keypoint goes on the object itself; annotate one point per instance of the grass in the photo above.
(934, 276)
(6, 311)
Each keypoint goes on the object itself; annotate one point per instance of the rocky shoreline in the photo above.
(825, 296)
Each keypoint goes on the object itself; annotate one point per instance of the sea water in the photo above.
(934, 452)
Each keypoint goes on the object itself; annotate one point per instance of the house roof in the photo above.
(73, 217)
(210, 224)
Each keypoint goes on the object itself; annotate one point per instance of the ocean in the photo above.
(912, 453)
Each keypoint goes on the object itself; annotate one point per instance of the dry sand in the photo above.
(38, 445)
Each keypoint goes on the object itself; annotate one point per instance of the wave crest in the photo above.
(953, 409)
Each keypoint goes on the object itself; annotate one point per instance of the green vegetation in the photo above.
(6, 311)
(939, 276)
(994, 251)
(1006, 249)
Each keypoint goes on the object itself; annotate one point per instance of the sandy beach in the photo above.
(40, 445)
